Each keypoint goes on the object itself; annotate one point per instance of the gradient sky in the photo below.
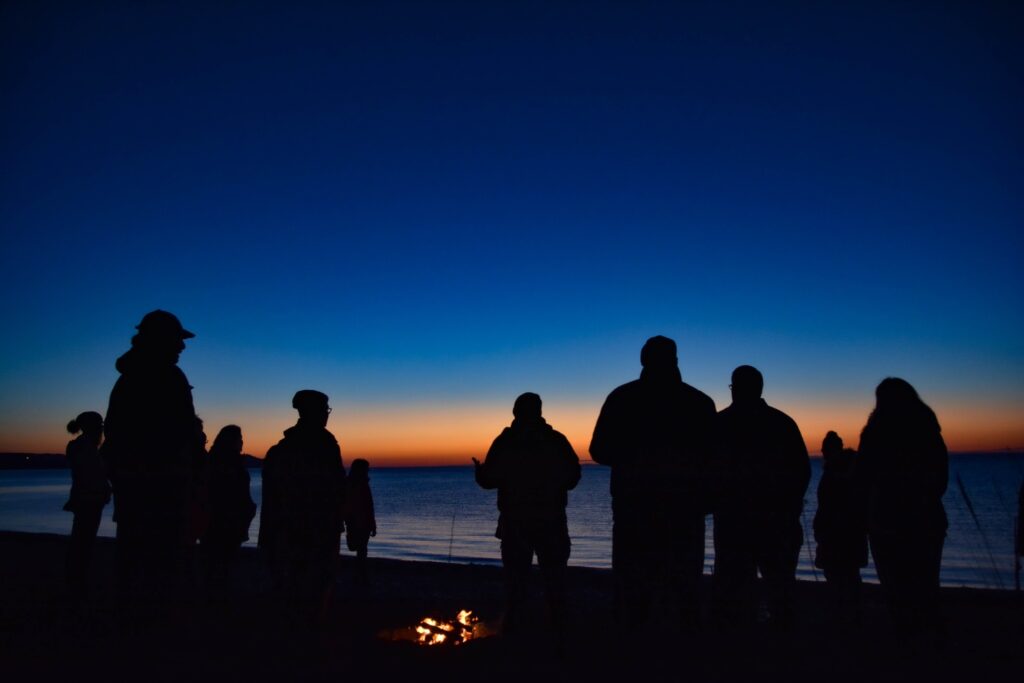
(425, 209)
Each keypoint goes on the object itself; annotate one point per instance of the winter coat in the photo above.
(904, 468)
(360, 521)
(303, 491)
(533, 467)
(839, 526)
(89, 486)
(150, 430)
(761, 469)
(230, 504)
(656, 433)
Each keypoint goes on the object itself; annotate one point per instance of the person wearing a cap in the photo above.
(765, 471)
(656, 434)
(302, 515)
(533, 467)
(149, 435)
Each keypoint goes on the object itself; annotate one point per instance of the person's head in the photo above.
(659, 353)
(360, 469)
(90, 423)
(161, 334)
(229, 440)
(527, 407)
(895, 394)
(747, 384)
(312, 406)
(831, 446)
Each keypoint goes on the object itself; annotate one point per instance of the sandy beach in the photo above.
(43, 638)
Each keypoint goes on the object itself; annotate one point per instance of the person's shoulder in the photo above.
(697, 396)
(624, 390)
(779, 416)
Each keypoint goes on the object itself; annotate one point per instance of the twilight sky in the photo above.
(425, 209)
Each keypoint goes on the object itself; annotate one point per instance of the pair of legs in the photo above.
(745, 546)
(358, 544)
(657, 554)
(83, 538)
(520, 540)
(908, 569)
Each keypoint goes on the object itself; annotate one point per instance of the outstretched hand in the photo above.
(476, 463)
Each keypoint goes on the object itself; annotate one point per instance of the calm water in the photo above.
(440, 513)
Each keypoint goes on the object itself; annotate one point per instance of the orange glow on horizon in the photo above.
(451, 434)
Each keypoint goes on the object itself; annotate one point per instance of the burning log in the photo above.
(464, 627)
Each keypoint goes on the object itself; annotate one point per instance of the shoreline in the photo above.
(42, 637)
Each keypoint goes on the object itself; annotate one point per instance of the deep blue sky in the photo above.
(444, 204)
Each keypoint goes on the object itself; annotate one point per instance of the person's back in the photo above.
(762, 472)
(767, 468)
(656, 435)
(533, 467)
(307, 480)
(839, 529)
(904, 468)
(90, 492)
(301, 519)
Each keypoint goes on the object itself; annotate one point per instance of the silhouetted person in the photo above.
(360, 522)
(656, 433)
(303, 506)
(905, 468)
(763, 471)
(533, 467)
(150, 433)
(230, 507)
(90, 492)
(839, 528)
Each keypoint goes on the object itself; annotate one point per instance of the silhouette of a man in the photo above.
(764, 472)
(533, 467)
(656, 433)
(302, 516)
(150, 433)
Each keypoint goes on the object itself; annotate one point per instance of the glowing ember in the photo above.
(437, 632)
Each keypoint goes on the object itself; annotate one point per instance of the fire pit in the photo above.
(433, 631)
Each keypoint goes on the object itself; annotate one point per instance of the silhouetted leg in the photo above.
(630, 568)
(553, 548)
(360, 569)
(924, 563)
(779, 556)
(844, 585)
(83, 537)
(687, 566)
(890, 555)
(516, 558)
(733, 585)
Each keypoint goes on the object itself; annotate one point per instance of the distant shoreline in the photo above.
(57, 461)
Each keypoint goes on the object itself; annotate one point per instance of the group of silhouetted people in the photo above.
(674, 460)
(178, 506)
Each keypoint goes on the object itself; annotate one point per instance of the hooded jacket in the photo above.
(303, 490)
(533, 467)
(656, 433)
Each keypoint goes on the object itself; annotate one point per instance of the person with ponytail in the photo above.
(90, 492)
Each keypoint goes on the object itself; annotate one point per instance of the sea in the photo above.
(439, 514)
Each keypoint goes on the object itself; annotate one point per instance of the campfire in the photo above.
(436, 632)
(430, 631)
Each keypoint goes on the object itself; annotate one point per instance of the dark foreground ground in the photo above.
(41, 638)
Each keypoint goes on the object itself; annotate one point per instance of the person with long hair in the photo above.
(90, 492)
(904, 467)
(230, 508)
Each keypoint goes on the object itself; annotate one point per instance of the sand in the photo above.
(43, 638)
